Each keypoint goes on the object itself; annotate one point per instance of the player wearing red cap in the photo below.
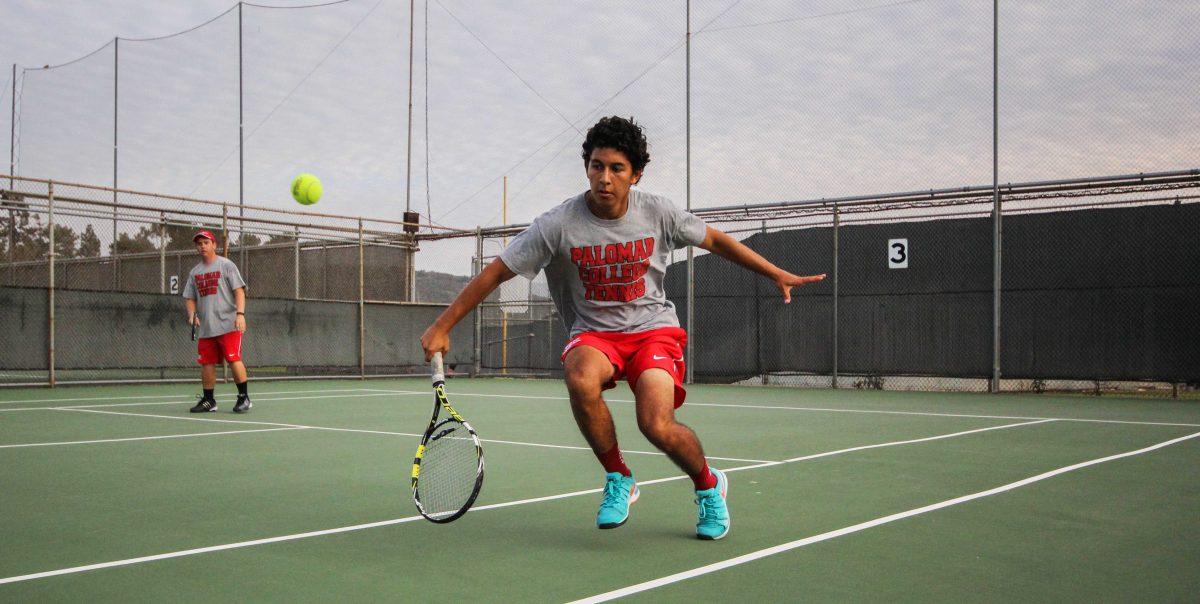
(216, 304)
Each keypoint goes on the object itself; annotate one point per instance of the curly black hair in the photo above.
(624, 135)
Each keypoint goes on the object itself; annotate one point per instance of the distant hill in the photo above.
(439, 287)
(433, 286)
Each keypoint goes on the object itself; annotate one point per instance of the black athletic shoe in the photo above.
(204, 405)
(243, 404)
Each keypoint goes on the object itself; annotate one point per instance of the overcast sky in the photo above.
(790, 100)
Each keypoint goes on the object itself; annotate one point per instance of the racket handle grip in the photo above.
(435, 366)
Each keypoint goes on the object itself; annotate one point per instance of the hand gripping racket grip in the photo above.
(435, 366)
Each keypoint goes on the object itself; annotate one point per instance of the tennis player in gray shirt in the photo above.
(605, 254)
(216, 304)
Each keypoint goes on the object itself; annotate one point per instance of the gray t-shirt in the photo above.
(606, 275)
(212, 287)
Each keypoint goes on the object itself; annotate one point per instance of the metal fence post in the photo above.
(12, 229)
(410, 272)
(836, 227)
(162, 253)
(994, 382)
(362, 326)
(475, 270)
(225, 252)
(758, 326)
(50, 288)
(116, 280)
(296, 249)
(529, 352)
(691, 315)
(997, 234)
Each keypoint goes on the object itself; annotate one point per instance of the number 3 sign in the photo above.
(897, 253)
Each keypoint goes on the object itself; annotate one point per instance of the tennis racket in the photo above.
(193, 322)
(447, 471)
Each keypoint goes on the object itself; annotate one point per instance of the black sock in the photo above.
(242, 387)
(208, 394)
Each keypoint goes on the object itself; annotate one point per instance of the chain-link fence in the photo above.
(743, 102)
(1098, 288)
(226, 109)
(1099, 291)
(754, 103)
(328, 295)
(520, 331)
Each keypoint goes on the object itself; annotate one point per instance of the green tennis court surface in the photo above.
(119, 494)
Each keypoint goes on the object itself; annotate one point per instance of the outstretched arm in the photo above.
(733, 250)
(437, 337)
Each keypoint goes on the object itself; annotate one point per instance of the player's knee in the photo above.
(583, 378)
(581, 382)
(656, 429)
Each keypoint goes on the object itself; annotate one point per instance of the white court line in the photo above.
(456, 394)
(829, 410)
(382, 392)
(182, 418)
(965, 415)
(357, 527)
(89, 409)
(236, 421)
(711, 568)
(915, 440)
(623, 451)
(188, 402)
(121, 440)
(122, 398)
(205, 550)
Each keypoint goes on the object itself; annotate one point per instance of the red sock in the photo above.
(614, 462)
(705, 479)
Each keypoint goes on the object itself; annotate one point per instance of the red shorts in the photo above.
(226, 347)
(633, 353)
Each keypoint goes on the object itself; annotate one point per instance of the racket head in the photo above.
(448, 469)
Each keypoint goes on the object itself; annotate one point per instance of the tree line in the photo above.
(25, 236)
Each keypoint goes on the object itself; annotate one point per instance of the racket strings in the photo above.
(449, 470)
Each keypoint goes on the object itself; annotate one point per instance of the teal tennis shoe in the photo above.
(620, 492)
(713, 520)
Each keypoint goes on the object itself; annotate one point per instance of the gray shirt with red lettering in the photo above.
(212, 287)
(606, 275)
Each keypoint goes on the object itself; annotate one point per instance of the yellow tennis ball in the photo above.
(306, 189)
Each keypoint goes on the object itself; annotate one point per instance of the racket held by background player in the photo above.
(447, 472)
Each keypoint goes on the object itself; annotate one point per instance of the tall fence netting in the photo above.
(820, 118)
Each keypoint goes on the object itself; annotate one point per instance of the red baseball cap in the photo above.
(206, 235)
